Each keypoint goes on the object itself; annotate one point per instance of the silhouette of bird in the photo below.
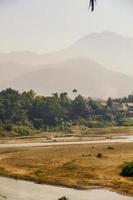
(92, 4)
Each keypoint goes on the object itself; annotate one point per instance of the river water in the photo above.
(23, 190)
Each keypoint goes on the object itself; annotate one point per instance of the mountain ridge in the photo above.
(107, 48)
(87, 76)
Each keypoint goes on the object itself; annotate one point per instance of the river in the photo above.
(23, 190)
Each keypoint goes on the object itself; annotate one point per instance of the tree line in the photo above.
(22, 110)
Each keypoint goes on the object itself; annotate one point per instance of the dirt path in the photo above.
(121, 139)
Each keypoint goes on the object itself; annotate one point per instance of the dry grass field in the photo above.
(78, 166)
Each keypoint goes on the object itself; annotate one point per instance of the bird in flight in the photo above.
(92, 4)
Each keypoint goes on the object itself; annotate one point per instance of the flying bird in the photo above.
(92, 4)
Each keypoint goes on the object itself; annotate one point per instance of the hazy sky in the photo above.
(49, 25)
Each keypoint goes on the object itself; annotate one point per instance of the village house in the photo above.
(116, 106)
(130, 110)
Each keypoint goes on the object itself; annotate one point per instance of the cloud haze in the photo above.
(47, 25)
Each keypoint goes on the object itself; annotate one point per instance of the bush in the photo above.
(63, 198)
(99, 155)
(127, 122)
(95, 124)
(22, 130)
(127, 170)
(38, 171)
(8, 127)
(38, 123)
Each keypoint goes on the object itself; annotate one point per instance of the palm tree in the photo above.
(75, 92)
(92, 4)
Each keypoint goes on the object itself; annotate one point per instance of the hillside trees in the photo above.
(30, 110)
(79, 108)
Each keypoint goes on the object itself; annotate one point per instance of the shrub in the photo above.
(38, 171)
(95, 124)
(63, 198)
(38, 123)
(127, 170)
(99, 155)
(8, 127)
(22, 130)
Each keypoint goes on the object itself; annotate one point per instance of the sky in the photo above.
(49, 25)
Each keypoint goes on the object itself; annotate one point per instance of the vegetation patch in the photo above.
(70, 166)
(63, 198)
(26, 113)
(127, 170)
(38, 171)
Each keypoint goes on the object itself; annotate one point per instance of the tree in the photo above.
(79, 107)
(64, 100)
(65, 103)
(55, 94)
(20, 112)
(75, 92)
(109, 102)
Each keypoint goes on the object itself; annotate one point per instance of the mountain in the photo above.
(71, 67)
(8, 71)
(107, 48)
(87, 76)
(22, 57)
(111, 50)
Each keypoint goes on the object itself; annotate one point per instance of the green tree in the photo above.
(109, 102)
(79, 107)
(75, 92)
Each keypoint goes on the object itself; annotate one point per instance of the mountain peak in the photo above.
(99, 35)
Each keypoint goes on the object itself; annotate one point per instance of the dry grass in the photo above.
(73, 165)
(77, 133)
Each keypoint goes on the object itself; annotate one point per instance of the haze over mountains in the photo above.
(109, 49)
(72, 68)
(8, 71)
(88, 77)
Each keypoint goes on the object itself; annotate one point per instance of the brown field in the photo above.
(77, 166)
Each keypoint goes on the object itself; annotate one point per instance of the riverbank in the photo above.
(76, 134)
(78, 166)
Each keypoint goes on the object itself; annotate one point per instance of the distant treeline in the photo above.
(128, 99)
(22, 112)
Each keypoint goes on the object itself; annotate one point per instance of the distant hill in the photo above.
(107, 48)
(8, 71)
(111, 50)
(87, 76)
(72, 68)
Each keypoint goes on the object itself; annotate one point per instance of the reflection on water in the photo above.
(23, 190)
